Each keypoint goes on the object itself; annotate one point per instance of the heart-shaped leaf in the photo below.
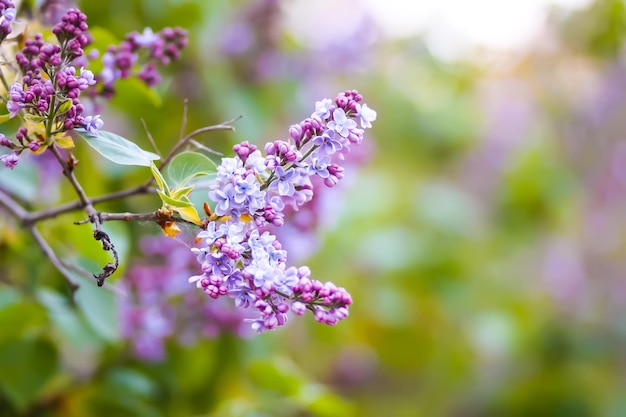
(187, 165)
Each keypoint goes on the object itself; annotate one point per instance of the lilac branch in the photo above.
(156, 217)
(12, 206)
(184, 140)
(31, 218)
(78, 205)
(47, 250)
(20, 214)
(98, 233)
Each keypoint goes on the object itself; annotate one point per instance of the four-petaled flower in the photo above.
(328, 142)
(284, 181)
(92, 124)
(341, 123)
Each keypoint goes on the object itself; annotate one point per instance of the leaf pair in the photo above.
(183, 168)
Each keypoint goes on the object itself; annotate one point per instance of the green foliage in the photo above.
(186, 166)
(117, 149)
(27, 365)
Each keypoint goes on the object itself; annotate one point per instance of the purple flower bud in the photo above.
(295, 132)
(298, 308)
(5, 142)
(34, 146)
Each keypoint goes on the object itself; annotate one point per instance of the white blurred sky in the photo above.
(451, 26)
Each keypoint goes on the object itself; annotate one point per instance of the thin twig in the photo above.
(150, 138)
(78, 205)
(183, 125)
(19, 213)
(14, 208)
(82, 271)
(156, 217)
(47, 250)
(98, 233)
(204, 148)
(185, 139)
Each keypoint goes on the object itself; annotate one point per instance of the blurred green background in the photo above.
(481, 234)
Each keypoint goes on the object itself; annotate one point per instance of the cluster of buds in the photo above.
(158, 48)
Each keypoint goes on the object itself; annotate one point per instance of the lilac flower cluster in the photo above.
(49, 90)
(239, 257)
(7, 15)
(120, 61)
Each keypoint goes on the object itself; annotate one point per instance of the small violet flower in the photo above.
(365, 115)
(92, 124)
(284, 181)
(319, 166)
(328, 142)
(10, 160)
(323, 108)
(341, 123)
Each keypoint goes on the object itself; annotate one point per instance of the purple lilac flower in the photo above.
(366, 115)
(319, 166)
(284, 181)
(323, 109)
(17, 99)
(92, 124)
(10, 160)
(50, 84)
(341, 123)
(239, 256)
(328, 142)
(148, 48)
(5, 142)
(7, 10)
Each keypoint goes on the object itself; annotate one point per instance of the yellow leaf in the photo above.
(188, 213)
(63, 141)
(37, 130)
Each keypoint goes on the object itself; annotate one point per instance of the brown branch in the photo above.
(12, 206)
(155, 216)
(78, 205)
(98, 234)
(145, 188)
(185, 139)
(20, 213)
(47, 250)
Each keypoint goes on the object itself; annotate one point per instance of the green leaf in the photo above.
(80, 337)
(169, 201)
(27, 365)
(99, 307)
(33, 118)
(4, 117)
(117, 149)
(64, 107)
(159, 179)
(183, 192)
(32, 318)
(187, 165)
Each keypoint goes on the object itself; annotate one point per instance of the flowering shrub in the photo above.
(236, 248)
